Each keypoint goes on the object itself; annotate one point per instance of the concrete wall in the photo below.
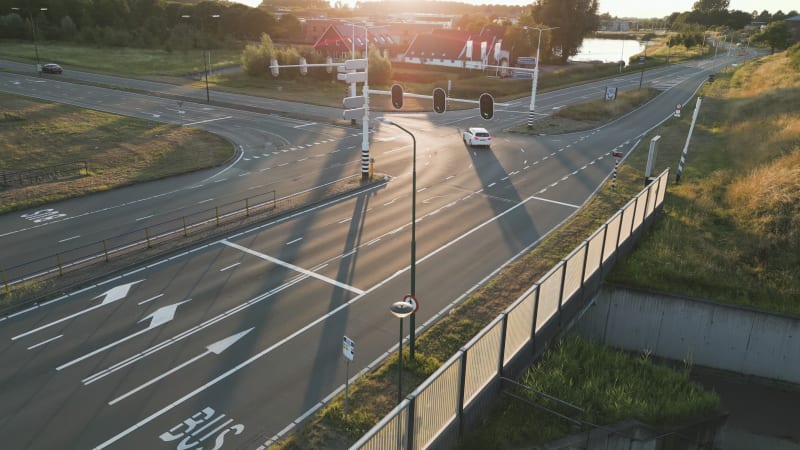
(705, 333)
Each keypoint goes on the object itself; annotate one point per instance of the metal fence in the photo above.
(436, 412)
(180, 227)
(43, 174)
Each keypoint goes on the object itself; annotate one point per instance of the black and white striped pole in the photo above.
(617, 155)
(535, 74)
(688, 138)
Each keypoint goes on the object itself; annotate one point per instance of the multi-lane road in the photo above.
(230, 344)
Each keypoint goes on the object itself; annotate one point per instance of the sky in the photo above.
(639, 8)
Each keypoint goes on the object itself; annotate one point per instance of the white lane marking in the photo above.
(69, 239)
(244, 174)
(150, 299)
(450, 177)
(555, 202)
(157, 318)
(205, 201)
(346, 220)
(284, 164)
(504, 179)
(293, 267)
(215, 348)
(301, 160)
(110, 296)
(292, 336)
(420, 190)
(220, 180)
(386, 204)
(305, 125)
(296, 240)
(207, 120)
(229, 267)
(44, 342)
(374, 241)
(145, 217)
(490, 185)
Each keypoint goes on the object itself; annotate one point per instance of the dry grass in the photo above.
(119, 150)
(730, 232)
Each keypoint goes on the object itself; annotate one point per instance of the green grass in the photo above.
(135, 62)
(610, 385)
(731, 229)
(119, 150)
(585, 116)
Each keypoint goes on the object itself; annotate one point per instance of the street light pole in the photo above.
(400, 310)
(412, 332)
(535, 74)
(33, 33)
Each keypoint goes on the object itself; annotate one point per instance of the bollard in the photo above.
(105, 249)
(247, 207)
(60, 269)
(147, 236)
(185, 234)
(216, 212)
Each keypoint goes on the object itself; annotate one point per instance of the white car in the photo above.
(477, 136)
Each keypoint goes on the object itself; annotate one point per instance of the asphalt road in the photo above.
(233, 342)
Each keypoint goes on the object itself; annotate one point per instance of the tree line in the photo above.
(142, 23)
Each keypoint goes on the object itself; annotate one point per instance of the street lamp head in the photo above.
(401, 309)
(215, 16)
(186, 16)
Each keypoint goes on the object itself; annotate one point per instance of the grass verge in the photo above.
(610, 385)
(589, 115)
(119, 150)
(731, 229)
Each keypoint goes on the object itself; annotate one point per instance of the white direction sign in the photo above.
(348, 348)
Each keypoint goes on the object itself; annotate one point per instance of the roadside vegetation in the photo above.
(731, 229)
(118, 150)
(589, 115)
(609, 385)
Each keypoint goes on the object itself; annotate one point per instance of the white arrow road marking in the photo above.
(111, 296)
(157, 318)
(215, 348)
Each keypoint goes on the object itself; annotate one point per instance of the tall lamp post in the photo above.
(206, 54)
(535, 73)
(412, 332)
(400, 310)
(33, 33)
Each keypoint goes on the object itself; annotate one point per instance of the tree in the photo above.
(776, 35)
(380, 68)
(574, 19)
(711, 5)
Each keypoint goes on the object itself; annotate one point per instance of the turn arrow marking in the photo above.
(157, 318)
(215, 348)
(110, 296)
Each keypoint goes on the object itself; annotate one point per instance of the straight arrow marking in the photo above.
(215, 348)
(158, 317)
(111, 295)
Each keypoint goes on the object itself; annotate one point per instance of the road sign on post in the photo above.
(274, 67)
(355, 64)
(353, 114)
(353, 102)
(677, 110)
(651, 159)
(348, 348)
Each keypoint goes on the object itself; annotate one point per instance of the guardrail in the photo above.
(139, 239)
(42, 174)
(437, 411)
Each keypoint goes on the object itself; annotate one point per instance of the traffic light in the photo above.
(397, 96)
(486, 102)
(439, 100)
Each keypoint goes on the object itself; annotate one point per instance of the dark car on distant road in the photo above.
(52, 68)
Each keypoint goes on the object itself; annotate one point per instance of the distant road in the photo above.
(235, 341)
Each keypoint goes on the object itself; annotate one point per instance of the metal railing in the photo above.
(180, 227)
(435, 411)
(43, 174)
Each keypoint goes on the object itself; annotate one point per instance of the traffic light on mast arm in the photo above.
(486, 102)
(439, 100)
(397, 96)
